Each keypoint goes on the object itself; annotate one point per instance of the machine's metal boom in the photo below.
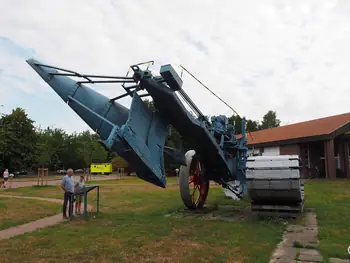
(138, 134)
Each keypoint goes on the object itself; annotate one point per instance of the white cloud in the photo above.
(289, 56)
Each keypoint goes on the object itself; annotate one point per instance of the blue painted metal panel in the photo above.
(136, 143)
(137, 135)
(195, 131)
(146, 132)
(96, 102)
(170, 76)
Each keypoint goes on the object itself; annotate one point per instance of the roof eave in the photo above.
(291, 141)
(342, 130)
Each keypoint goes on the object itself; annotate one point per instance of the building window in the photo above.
(307, 155)
(337, 162)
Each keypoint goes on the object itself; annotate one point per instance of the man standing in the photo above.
(68, 188)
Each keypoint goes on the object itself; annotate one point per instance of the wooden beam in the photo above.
(329, 159)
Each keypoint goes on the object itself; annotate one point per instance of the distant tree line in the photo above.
(268, 121)
(25, 146)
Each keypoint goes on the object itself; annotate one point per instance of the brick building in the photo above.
(322, 144)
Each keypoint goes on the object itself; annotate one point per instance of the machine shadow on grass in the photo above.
(226, 209)
(213, 212)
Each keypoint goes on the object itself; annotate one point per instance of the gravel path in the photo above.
(299, 244)
(37, 224)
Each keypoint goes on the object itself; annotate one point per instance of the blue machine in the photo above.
(138, 134)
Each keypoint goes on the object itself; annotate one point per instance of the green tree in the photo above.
(86, 148)
(90, 150)
(58, 138)
(120, 162)
(50, 148)
(237, 122)
(44, 149)
(252, 126)
(99, 154)
(270, 120)
(18, 140)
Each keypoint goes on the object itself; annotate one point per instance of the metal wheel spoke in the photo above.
(194, 196)
(200, 194)
(194, 190)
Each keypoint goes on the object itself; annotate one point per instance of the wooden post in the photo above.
(38, 175)
(42, 172)
(347, 159)
(329, 159)
(98, 199)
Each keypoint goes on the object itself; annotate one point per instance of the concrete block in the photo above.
(338, 260)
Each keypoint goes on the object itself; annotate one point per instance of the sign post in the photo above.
(85, 192)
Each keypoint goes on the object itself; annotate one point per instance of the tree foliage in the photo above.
(22, 146)
(251, 125)
(18, 140)
(270, 120)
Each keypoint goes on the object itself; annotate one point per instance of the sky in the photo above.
(292, 57)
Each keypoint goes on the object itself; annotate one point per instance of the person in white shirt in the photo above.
(78, 187)
(67, 186)
(6, 177)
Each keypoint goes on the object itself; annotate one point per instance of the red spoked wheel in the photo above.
(194, 187)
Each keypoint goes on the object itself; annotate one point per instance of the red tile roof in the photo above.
(322, 126)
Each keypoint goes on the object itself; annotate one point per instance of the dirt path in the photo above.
(34, 225)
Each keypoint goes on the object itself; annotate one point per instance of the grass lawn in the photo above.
(26, 179)
(130, 180)
(49, 191)
(15, 212)
(331, 199)
(133, 227)
(54, 191)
